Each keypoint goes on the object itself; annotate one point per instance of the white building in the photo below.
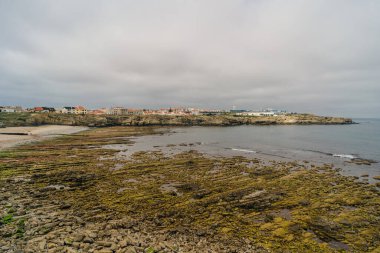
(11, 109)
(74, 110)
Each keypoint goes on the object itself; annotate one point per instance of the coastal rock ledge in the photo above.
(35, 119)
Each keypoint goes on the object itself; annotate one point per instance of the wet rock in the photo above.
(170, 189)
(88, 240)
(339, 246)
(304, 202)
(201, 194)
(64, 206)
(54, 187)
(361, 161)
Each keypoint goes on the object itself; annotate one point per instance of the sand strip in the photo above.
(37, 133)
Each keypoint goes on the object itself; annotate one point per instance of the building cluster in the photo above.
(258, 113)
(11, 109)
(178, 111)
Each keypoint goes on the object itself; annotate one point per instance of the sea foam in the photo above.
(243, 150)
(345, 156)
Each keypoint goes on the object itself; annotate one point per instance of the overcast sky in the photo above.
(310, 56)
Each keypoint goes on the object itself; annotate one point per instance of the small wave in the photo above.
(348, 156)
(319, 152)
(345, 156)
(243, 150)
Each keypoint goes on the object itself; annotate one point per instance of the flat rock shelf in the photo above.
(70, 194)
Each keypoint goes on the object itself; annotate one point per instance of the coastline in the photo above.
(34, 119)
(211, 142)
(71, 193)
(14, 136)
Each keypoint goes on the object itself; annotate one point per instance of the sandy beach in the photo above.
(37, 133)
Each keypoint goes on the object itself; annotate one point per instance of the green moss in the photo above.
(280, 232)
(8, 218)
(150, 250)
(20, 230)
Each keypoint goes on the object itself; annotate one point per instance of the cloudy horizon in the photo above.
(317, 56)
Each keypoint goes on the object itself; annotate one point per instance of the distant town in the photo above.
(177, 111)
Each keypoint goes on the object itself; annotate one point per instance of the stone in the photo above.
(91, 234)
(104, 243)
(128, 240)
(76, 245)
(78, 238)
(42, 245)
(51, 245)
(69, 250)
(131, 250)
(103, 251)
(68, 241)
(88, 240)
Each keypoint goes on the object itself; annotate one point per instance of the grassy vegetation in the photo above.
(280, 206)
(14, 119)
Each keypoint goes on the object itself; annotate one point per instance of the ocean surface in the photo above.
(334, 144)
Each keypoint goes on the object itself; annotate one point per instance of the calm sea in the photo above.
(335, 144)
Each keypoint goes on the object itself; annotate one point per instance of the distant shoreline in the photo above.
(38, 119)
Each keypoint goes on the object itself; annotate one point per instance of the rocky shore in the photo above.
(72, 194)
(34, 119)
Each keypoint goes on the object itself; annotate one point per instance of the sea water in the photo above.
(333, 144)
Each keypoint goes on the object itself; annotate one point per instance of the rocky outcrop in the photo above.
(164, 120)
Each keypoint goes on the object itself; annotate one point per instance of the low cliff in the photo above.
(35, 119)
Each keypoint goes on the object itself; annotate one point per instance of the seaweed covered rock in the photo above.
(63, 195)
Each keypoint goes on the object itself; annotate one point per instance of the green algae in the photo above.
(20, 230)
(8, 218)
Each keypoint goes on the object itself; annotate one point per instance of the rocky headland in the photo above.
(35, 119)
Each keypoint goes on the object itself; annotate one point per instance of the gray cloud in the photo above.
(318, 56)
